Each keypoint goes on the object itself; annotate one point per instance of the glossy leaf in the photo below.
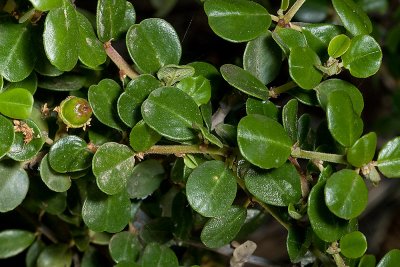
(302, 62)
(354, 19)
(353, 245)
(146, 177)
(278, 187)
(64, 82)
(22, 150)
(325, 88)
(124, 247)
(227, 132)
(262, 58)
(346, 194)
(338, 45)
(33, 253)
(14, 183)
(297, 243)
(211, 188)
(318, 36)
(101, 212)
(244, 81)
(29, 83)
(59, 36)
(222, 229)
(6, 135)
(343, 123)
(171, 112)
(91, 51)
(307, 97)
(288, 39)
(209, 137)
(45, 5)
(266, 108)
(113, 17)
(171, 74)
(263, 141)
(391, 259)
(14, 241)
(225, 17)
(324, 223)
(54, 181)
(363, 150)
(16, 103)
(364, 56)
(389, 158)
(367, 261)
(113, 165)
(289, 118)
(56, 255)
(199, 88)
(156, 255)
(153, 44)
(142, 137)
(103, 99)
(136, 92)
(70, 154)
(16, 57)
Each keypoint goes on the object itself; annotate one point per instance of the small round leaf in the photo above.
(16, 103)
(338, 45)
(225, 17)
(389, 158)
(263, 141)
(56, 255)
(6, 135)
(363, 150)
(211, 188)
(197, 87)
(220, 230)
(266, 108)
(14, 241)
(142, 137)
(367, 261)
(346, 194)
(54, 181)
(354, 19)
(156, 255)
(353, 245)
(113, 165)
(288, 39)
(124, 247)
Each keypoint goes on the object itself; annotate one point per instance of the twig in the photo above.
(119, 61)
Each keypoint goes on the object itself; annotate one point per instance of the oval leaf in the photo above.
(263, 141)
(391, 259)
(211, 188)
(266, 108)
(389, 158)
(54, 181)
(290, 117)
(225, 17)
(354, 19)
(353, 245)
(153, 44)
(113, 165)
(156, 255)
(302, 62)
(14, 241)
(338, 45)
(124, 247)
(57, 255)
(278, 187)
(363, 150)
(346, 194)
(16, 103)
(220, 230)
(6, 135)
(172, 113)
(199, 88)
(142, 137)
(288, 39)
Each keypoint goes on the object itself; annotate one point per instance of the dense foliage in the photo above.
(162, 160)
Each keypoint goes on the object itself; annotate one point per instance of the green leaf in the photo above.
(59, 36)
(6, 135)
(263, 141)
(153, 44)
(353, 245)
(18, 59)
(289, 118)
(54, 181)
(103, 99)
(70, 154)
(391, 259)
(262, 58)
(113, 165)
(319, 35)
(266, 108)
(182, 216)
(21, 150)
(171, 74)
(131, 100)
(338, 45)
(156, 255)
(343, 123)
(209, 137)
(142, 137)
(157, 230)
(56, 255)
(14, 241)
(307, 97)
(325, 88)
(302, 62)
(91, 51)
(364, 56)
(297, 243)
(29, 83)
(225, 17)
(363, 150)
(64, 82)
(101, 212)
(124, 247)
(199, 88)
(220, 230)
(172, 113)
(146, 177)
(244, 81)
(211, 188)
(346, 194)
(389, 158)
(227, 132)
(354, 19)
(278, 187)
(305, 133)
(324, 223)
(288, 39)
(367, 261)
(14, 183)
(16, 103)
(45, 5)
(93, 257)
(33, 253)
